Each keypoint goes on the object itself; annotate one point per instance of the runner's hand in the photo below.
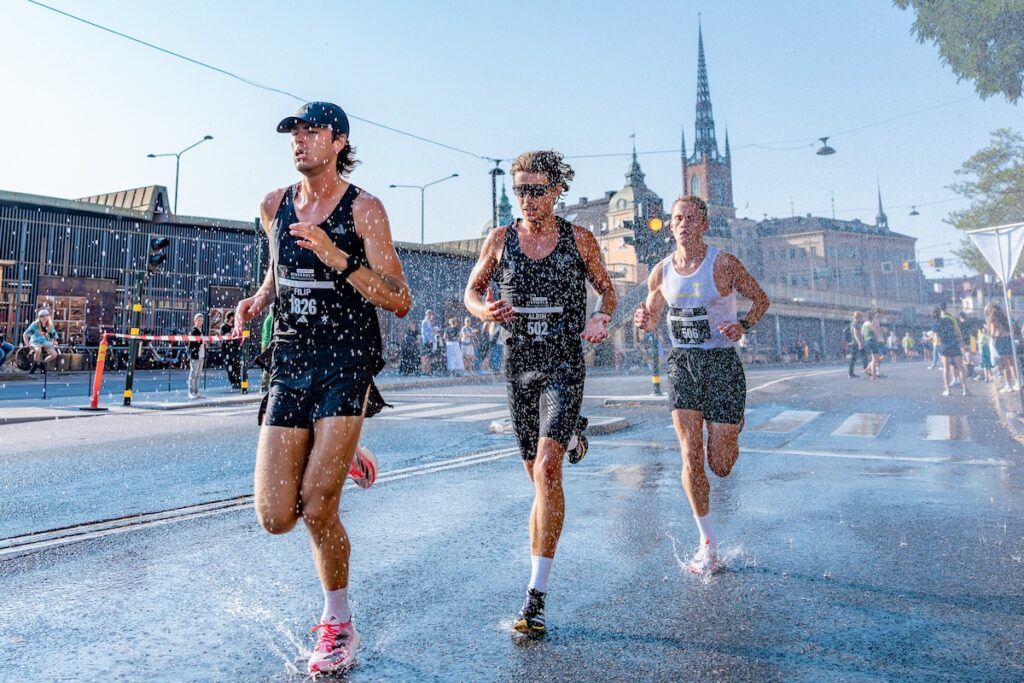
(597, 328)
(642, 317)
(498, 311)
(732, 331)
(312, 237)
(246, 310)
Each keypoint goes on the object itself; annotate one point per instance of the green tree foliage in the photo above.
(981, 40)
(994, 184)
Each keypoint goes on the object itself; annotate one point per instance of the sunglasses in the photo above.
(530, 190)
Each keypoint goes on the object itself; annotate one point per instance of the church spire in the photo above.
(634, 175)
(504, 208)
(727, 152)
(682, 143)
(705, 144)
(881, 220)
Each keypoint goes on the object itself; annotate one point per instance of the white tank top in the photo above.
(695, 308)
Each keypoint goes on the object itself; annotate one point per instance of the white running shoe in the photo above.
(193, 396)
(705, 560)
(1006, 389)
(945, 392)
(1016, 387)
(335, 648)
(966, 393)
(364, 468)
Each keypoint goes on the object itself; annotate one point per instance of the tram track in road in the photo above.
(22, 544)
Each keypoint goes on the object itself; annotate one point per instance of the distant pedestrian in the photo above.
(196, 356)
(467, 340)
(231, 351)
(40, 335)
(998, 327)
(950, 349)
(855, 339)
(985, 352)
(410, 350)
(908, 345)
(453, 350)
(428, 342)
(892, 344)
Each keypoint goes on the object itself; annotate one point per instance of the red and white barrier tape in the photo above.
(176, 337)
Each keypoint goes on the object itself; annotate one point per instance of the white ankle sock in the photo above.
(541, 567)
(706, 532)
(336, 609)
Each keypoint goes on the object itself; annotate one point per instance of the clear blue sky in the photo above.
(82, 108)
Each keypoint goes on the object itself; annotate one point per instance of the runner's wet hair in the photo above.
(696, 201)
(546, 161)
(346, 158)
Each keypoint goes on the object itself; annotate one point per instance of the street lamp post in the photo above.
(177, 164)
(422, 189)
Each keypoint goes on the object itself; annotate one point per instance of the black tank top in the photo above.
(549, 296)
(314, 304)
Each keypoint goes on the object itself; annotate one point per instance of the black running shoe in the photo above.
(577, 451)
(531, 616)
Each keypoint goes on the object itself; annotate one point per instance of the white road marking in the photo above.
(947, 428)
(862, 424)
(496, 415)
(441, 412)
(786, 421)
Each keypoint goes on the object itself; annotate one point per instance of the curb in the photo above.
(636, 400)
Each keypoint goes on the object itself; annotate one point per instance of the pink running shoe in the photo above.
(364, 468)
(335, 648)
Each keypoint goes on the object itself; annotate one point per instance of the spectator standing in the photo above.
(410, 350)
(452, 348)
(467, 340)
(196, 356)
(998, 327)
(40, 335)
(231, 351)
(428, 342)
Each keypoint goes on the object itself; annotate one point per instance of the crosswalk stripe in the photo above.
(497, 414)
(786, 421)
(946, 428)
(862, 424)
(406, 407)
(450, 410)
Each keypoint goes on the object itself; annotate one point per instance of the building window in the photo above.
(621, 204)
(695, 186)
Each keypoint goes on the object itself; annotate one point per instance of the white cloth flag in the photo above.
(1001, 247)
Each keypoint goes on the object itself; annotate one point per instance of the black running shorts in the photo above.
(544, 399)
(710, 381)
(308, 384)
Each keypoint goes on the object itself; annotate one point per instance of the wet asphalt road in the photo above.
(878, 556)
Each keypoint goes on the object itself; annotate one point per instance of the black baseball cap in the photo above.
(322, 114)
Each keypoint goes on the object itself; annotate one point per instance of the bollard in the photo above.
(97, 380)
(244, 372)
(655, 369)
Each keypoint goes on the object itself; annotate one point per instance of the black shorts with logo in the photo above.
(710, 381)
(545, 394)
(308, 383)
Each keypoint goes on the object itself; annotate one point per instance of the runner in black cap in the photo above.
(332, 264)
(542, 264)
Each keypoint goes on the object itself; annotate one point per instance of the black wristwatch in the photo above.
(744, 324)
(352, 267)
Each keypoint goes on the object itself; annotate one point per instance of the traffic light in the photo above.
(649, 244)
(157, 252)
(936, 262)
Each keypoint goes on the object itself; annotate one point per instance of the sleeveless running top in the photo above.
(314, 304)
(696, 309)
(548, 295)
(867, 332)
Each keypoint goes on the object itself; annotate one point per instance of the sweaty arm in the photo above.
(383, 283)
(478, 298)
(735, 276)
(647, 315)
